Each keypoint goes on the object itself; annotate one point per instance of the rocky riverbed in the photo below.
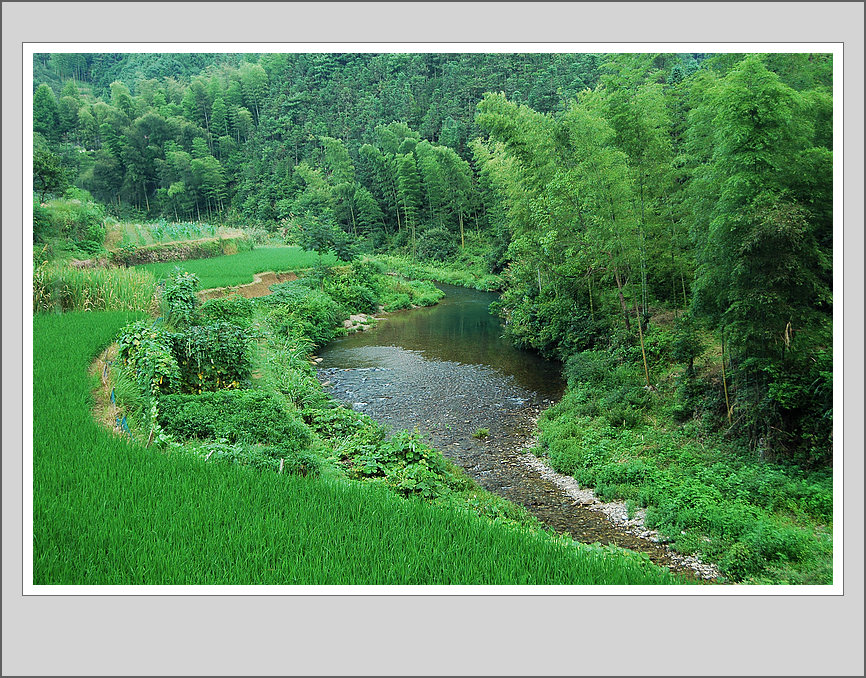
(451, 404)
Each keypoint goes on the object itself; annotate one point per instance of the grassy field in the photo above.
(474, 277)
(239, 269)
(107, 511)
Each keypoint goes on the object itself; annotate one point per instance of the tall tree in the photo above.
(45, 118)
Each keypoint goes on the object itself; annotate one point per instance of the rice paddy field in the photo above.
(107, 510)
(239, 269)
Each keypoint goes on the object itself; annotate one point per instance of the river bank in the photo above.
(447, 373)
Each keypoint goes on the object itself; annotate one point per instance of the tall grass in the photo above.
(238, 269)
(62, 288)
(109, 512)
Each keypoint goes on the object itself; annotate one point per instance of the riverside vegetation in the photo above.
(252, 474)
(660, 223)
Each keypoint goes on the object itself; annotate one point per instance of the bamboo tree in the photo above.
(725, 380)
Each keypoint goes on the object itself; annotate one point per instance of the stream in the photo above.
(447, 371)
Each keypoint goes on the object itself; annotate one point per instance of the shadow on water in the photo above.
(448, 371)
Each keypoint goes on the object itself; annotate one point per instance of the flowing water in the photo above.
(447, 371)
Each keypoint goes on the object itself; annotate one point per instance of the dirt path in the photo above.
(260, 287)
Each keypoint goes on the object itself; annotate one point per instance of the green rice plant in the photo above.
(63, 288)
(239, 269)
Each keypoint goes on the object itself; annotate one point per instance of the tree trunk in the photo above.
(725, 380)
(622, 303)
(642, 350)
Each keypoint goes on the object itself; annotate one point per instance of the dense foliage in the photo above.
(709, 195)
(661, 223)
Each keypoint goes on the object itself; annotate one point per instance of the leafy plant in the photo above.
(145, 349)
(179, 295)
(437, 244)
(213, 356)
(233, 308)
(241, 415)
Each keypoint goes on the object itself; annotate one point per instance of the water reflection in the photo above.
(459, 329)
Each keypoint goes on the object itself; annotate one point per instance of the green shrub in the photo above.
(623, 416)
(338, 422)
(398, 302)
(42, 225)
(145, 349)
(353, 296)
(437, 244)
(180, 251)
(78, 219)
(179, 297)
(233, 308)
(212, 356)
(295, 310)
(424, 293)
(590, 367)
(238, 416)
(404, 461)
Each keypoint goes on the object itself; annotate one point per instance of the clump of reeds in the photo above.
(64, 288)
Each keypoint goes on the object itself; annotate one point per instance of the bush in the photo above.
(180, 298)
(238, 416)
(590, 367)
(144, 348)
(180, 251)
(437, 244)
(353, 296)
(233, 309)
(212, 356)
(78, 219)
(298, 311)
(397, 302)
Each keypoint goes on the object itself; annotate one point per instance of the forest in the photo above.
(661, 224)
